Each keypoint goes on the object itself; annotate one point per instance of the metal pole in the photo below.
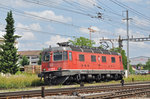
(127, 43)
(90, 34)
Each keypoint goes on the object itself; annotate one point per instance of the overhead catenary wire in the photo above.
(65, 9)
(106, 19)
(130, 9)
(40, 3)
(28, 29)
(80, 7)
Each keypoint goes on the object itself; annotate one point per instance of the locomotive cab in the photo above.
(55, 61)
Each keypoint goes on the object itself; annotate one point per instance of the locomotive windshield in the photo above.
(46, 57)
(58, 56)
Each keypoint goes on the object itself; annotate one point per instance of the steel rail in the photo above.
(124, 93)
(70, 91)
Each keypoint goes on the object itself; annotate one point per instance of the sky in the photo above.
(46, 22)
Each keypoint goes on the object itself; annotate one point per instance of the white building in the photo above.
(33, 56)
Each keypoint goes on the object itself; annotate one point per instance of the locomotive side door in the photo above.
(72, 60)
(104, 62)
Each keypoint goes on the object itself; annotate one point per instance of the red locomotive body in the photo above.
(68, 63)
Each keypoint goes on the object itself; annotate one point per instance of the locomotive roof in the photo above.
(81, 49)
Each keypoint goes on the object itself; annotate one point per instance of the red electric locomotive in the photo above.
(68, 63)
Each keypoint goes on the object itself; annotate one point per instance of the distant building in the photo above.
(33, 56)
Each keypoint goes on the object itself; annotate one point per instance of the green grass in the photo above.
(22, 80)
(137, 78)
(19, 81)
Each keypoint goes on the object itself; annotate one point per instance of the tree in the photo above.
(40, 59)
(147, 66)
(139, 66)
(82, 41)
(8, 52)
(24, 61)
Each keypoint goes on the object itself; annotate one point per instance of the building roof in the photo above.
(29, 53)
(139, 60)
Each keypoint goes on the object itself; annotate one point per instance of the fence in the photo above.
(34, 69)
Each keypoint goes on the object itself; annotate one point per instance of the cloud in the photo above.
(88, 3)
(123, 33)
(2, 33)
(84, 30)
(48, 14)
(140, 22)
(141, 45)
(18, 3)
(27, 35)
(134, 1)
(87, 30)
(148, 2)
(34, 26)
(56, 39)
(31, 46)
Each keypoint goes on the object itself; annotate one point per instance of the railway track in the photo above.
(109, 91)
(124, 93)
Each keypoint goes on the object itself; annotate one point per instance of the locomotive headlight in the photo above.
(44, 69)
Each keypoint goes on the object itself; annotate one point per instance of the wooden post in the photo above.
(42, 91)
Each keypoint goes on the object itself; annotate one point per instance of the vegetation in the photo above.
(8, 52)
(82, 41)
(19, 81)
(24, 61)
(147, 66)
(40, 59)
(137, 78)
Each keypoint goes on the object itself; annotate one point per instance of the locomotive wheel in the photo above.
(78, 78)
(116, 77)
(98, 78)
(68, 82)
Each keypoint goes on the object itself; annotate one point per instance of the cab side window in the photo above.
(70, 55)
(81, 57)
(46, 57)
(113, 60)
(93, 58)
